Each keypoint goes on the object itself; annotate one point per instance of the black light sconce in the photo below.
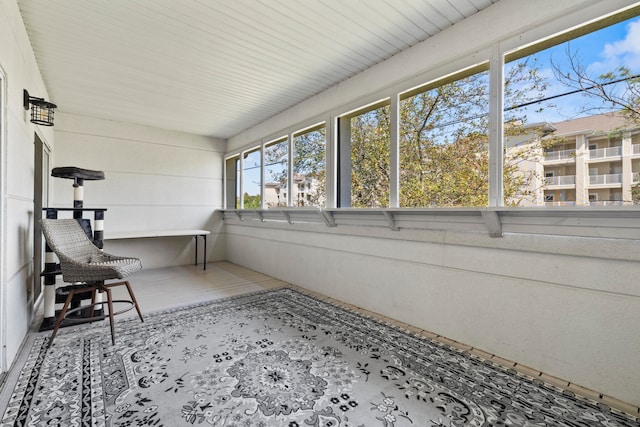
(41, 110)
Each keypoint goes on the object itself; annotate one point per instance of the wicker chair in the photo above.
(82, 261)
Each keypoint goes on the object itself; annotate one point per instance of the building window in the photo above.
(444, 157)
(276, 161)
(364, 152)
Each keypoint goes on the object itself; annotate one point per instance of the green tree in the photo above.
(444, 159)
(635, 194)
(252, 202)
(276, 158)
(370, 151)
(443, 145)
(309, 160)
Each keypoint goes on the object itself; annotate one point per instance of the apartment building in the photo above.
(304, 192)
(589, 161)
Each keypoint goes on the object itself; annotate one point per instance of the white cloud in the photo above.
(630, 45)
(621, 52)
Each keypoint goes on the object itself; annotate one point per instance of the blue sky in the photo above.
(599, 52)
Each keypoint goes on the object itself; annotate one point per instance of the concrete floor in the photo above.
(172, 287)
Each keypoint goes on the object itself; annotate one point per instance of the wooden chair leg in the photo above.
(103, 289)
(111, 323)
(65, 307)
(93, 302)
(133, 298)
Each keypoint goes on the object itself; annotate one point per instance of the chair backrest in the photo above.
(67, 238)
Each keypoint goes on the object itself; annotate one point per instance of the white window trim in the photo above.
(495, 54)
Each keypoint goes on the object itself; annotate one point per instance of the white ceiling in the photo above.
(217, 67)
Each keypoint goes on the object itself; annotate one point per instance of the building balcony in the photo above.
(560, 155)
(560, 181)
(608, 179)
(562, 203)
(609, 203)
(603, 153)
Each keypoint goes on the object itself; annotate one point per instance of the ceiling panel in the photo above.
(217, 67)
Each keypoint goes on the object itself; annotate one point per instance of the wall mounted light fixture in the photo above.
(41, 110)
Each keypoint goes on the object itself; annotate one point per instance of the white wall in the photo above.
(154, 179)
(18, 65)
(573, 313)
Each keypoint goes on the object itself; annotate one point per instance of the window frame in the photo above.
(344, 150)
(243, 155)
(292, 153)
(264, 145)
(495, 55)
(472, 70)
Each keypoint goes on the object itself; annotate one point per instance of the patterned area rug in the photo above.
(277, 358)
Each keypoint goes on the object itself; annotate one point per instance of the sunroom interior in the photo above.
(187, 106)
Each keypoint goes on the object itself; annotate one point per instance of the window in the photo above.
(276, 161)
(568, 115)
(232, 182)
(444, 157)
(562, 91)
(364, 146)
(309, 163)
(252, 179)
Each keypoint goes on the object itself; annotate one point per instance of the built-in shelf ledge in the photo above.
(287, 216)
(328, 218)
(391, 220)
(492, 222)
(621, 222)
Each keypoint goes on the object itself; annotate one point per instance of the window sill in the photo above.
(612, 222)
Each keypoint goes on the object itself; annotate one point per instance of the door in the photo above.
(41, 199)
(3, 312)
